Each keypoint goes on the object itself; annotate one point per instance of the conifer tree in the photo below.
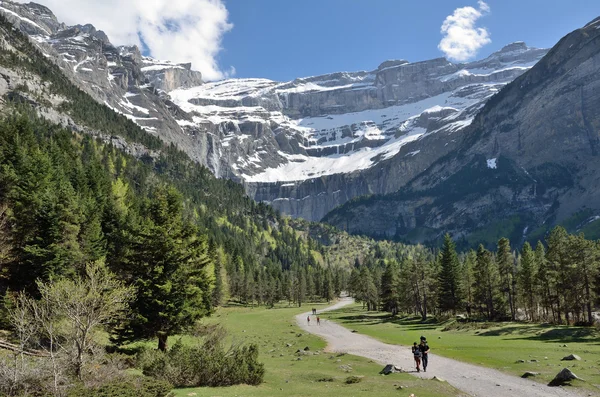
(390, 296)
(506, 268)
(487, 280)
(450, 294)
(167, 258)
(527, 279)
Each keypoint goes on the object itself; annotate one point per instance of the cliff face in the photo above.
(528, 161)
(305, 146)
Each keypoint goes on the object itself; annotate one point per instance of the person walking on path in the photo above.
(318, 320)
(416, 350)
(308, 321)
(424, 347)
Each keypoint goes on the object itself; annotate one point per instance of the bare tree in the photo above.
(87, 303)
(23, 322)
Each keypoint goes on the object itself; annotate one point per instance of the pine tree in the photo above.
(450, 295)
(506, 268)
(328, 290)
(468, 279)
(167, 258)
(390, 296)
(527, 279)
(486, 286)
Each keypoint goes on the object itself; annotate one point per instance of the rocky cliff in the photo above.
(528, 161)
(304, 146)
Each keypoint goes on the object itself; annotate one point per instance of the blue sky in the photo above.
(285, 39)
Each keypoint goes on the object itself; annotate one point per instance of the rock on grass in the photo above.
(563, 377)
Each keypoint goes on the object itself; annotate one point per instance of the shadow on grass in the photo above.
(414, 323)
(548, 333)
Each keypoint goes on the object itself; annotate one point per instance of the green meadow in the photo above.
(315, 373)
(510, 347)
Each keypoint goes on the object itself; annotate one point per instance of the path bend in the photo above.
(472, 379)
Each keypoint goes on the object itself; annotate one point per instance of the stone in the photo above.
(388, 369)
(529, 374)
(520, 361)
(563, 377)
(306, 348)
(571, 357)
(438, 379)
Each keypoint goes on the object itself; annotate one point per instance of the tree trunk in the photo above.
(588, 299)
(162, 341)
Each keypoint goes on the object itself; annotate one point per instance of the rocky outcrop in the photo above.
(528, 161)
(167, 76)
(305, 146)
(564, 377)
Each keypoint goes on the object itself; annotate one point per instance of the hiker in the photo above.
(424, 347)
(417, 355)
(318, 320)
(314, 310)
(308, 321)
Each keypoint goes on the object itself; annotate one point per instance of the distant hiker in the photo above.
(314, 310)
(308, 320)
(424, 347)
(417, 355)
(318, 320)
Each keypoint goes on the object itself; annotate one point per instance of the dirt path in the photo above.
(471, 379)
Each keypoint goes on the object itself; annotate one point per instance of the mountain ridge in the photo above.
(527, 162)
(330, 131)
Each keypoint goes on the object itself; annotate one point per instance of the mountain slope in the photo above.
(528, 161)
(74, 175)
(304, 146)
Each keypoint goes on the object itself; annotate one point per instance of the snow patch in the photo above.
(492, 163)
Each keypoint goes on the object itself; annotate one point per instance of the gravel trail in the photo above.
(472, 379)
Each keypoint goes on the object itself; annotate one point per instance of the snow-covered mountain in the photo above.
(305, 146)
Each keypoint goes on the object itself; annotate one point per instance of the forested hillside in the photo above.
(93, 207)
(102, 191)
(557, 281)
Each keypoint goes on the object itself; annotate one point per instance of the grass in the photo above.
(495, 345)
(315, 374)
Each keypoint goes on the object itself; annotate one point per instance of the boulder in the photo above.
(571, 357)
(306, 349)
(563, 377)
(529, 374)
(390, 369)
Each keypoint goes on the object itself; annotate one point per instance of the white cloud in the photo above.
(177, 30)
(462, 39)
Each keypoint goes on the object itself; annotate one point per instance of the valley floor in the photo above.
(313, 373)
(472, 379)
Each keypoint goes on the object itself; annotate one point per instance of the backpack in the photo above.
(417, 352)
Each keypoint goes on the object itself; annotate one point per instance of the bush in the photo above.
(353, 379)
(208, 364)
(129, 387)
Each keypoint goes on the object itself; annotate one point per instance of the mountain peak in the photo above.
(516, 46)
(391, 63)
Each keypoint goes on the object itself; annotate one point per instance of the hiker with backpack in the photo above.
(424, 348)
(416, 350)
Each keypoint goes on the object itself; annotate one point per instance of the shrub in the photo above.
(128, 387)
(206, 364)
(353, 379)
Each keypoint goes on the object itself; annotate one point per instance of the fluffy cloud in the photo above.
(177, 30)
(462, 39)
